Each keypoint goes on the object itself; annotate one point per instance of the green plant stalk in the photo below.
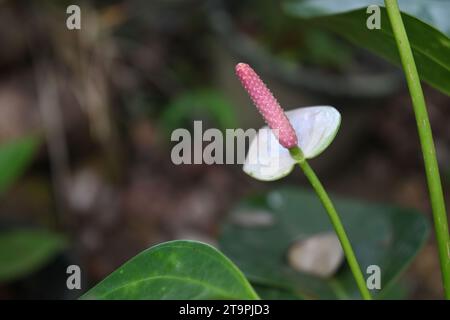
(426, 141)
(297, 154)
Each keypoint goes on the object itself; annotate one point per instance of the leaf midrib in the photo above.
(171, 277)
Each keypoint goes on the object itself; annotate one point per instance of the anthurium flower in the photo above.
(312, 129)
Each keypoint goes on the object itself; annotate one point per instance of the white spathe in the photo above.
(315, 127)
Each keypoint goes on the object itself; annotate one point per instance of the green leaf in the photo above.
(425, 21)
(15, 156)
(273, 293)
(381, 235)
(175, 270)
(25, 251)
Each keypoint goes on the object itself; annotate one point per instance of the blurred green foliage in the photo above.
(205, 104)
(24, 251)
(294, 41)
(425, 21)
(15, 156)
(387, 236)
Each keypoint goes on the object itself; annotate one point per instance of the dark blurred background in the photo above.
(103, 101)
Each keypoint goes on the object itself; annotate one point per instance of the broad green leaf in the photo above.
(175, 270)
(381, 235)
(315, 127)
(426, 22)
(14, 158)
(274, 293)
(25, 251)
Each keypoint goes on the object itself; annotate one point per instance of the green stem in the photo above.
(426, 141)
(297, 154)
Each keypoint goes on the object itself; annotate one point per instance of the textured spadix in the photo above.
(267, 105)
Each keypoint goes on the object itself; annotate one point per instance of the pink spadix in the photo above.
(267, 105)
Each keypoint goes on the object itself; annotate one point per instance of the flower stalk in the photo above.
(296, 153)
(426, 141)
(275, 117)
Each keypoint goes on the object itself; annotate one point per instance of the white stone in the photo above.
(319, 255)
